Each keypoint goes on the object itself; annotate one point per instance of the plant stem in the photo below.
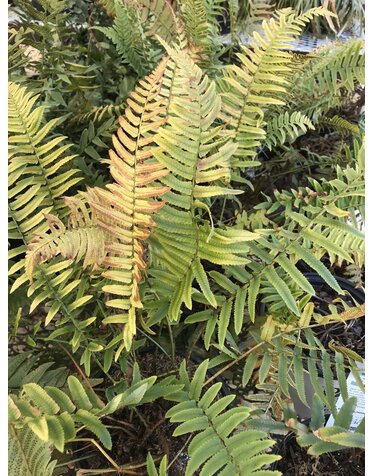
(83, 376)
(196, 335)
(180, 451)
(99, 447)
(173, 349)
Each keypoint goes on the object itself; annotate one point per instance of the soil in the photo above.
(296, 462)
(135, 433)
(350, 334)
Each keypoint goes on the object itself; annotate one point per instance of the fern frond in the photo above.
(36, 185)
(83, 238)
(264, 72)
(130, 39)
(218, 446)
(28, 455)
(187, 146)
(284, 126)
(36, 178)
(23, 368)
(53, 414)
(123, 211)
(99, 113)
(339, 124)
(333, 68)
(158, 17)
(201, 27)
(16, 56)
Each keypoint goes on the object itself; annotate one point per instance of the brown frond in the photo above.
(123, 210)
(81, 239)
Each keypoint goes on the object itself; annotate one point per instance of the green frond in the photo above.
(254, 85)
(187, 146)
(56, 415)
(333, 69)
(28, 455)
(99, 113)
(16, 54)
(25, 368)
(37, 179)
(63, 289)
(220, 445)
(130, 38)
(339, 124)
(201, 27)
(284, 126)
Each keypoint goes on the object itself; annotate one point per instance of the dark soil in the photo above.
(296, 462)
(350, 334)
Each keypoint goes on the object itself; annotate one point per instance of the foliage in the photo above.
(169, 241)
(214, 448)
(28, 455)
(348, 13)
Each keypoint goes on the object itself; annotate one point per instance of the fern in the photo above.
(187, 147)
(130, 39)
(339, 124)
(24, 368)
(264, 72)
(29, 155)
(16, 56)
(201, 27)
(53, 414)
(82, 239)
(332, 69)
(36, 184)
(286, 126)
(217, 445)
(28, 455)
